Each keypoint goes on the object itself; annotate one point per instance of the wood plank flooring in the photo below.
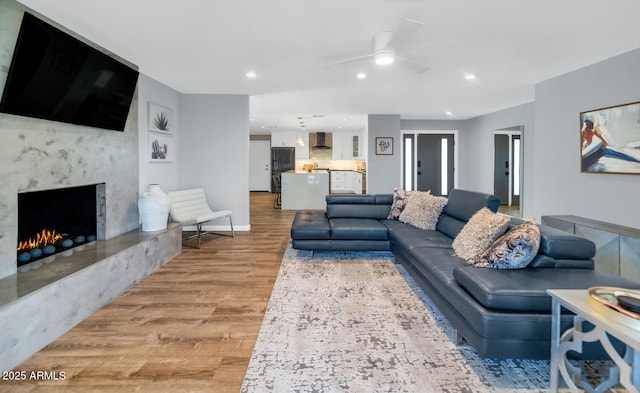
(189, 327)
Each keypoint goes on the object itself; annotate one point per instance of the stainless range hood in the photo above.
(322, 141)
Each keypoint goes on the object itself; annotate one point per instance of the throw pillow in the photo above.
(513, 250)
(479, 233)
(400, 198)
(422, 210)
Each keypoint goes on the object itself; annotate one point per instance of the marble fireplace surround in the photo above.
(39, 155)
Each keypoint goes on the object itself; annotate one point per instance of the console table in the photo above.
(626, 370)
(617, 246)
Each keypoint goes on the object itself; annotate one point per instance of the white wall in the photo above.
(214, 151)
(558, 185)
(163, 173)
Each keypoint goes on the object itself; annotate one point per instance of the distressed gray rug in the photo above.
(357, 322)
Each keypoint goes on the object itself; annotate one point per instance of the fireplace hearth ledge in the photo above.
(38, 306)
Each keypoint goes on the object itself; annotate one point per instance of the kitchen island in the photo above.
(304, 190)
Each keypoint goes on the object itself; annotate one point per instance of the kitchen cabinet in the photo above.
(342, 146)
(356, 182)
(283, 139)
(358, 148)
(347, 146)
(346, 182)
(338, 181)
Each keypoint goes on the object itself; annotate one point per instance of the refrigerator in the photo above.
(283, 159)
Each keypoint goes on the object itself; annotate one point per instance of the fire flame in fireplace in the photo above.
(39, 240)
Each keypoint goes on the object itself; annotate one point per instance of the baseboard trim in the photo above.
(218, 228)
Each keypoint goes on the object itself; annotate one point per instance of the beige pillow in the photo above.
(479, 233)
(422, 210)
(513, 250)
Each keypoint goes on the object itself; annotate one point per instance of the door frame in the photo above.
(511, 131)
(414, 153)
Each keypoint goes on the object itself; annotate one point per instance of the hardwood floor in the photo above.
(189, 327)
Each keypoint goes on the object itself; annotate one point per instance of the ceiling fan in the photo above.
(385, 44)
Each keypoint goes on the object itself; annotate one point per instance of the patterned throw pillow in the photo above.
(479, 233)
(422, 210)
(400, 198)
(513, 250)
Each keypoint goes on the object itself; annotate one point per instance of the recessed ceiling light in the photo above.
(448, 113)
(469, 77)
(361, 75)
(251, 74)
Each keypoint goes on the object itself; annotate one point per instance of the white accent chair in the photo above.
(190, 207)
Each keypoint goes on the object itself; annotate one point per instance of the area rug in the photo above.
(357, 322)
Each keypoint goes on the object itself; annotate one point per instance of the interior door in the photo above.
(434, 164)
(501, 168)
(260, 166)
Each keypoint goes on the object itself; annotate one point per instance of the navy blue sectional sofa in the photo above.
(501, 313)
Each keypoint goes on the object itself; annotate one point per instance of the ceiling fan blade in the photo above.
(349, 60)
(406, 29)
(412, 65)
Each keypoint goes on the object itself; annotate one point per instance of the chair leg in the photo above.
(199, 229)
(233, 234)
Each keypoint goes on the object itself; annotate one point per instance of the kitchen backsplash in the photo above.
(346, 165)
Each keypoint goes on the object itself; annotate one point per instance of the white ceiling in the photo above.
(207, 46)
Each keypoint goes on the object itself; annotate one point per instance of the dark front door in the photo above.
(435, 163)
(501, 168)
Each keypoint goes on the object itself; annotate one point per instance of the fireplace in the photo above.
(58, 221)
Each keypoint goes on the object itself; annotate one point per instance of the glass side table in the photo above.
(626, 369)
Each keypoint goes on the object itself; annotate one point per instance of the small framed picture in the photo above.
(160, 147)
(160, 118)
(384, 146)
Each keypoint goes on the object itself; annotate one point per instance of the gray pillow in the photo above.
(422, 210)
(479, 233)
(513, 250)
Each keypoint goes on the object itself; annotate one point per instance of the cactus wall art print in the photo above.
(160, 147)
(160, 118)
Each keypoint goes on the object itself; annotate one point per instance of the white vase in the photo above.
(154, 207)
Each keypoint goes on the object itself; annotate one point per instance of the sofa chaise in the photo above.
(501, 313)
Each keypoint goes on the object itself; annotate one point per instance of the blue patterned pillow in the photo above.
(513, 250)
(400, 198)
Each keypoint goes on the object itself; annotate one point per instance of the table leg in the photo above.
(555, 342)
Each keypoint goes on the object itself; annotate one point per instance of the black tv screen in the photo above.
(55, 76)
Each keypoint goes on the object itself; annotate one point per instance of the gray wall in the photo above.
(384, 172)
(558, 187)
(38, 155)
(214, 151)
(477, 149)
(163, 173)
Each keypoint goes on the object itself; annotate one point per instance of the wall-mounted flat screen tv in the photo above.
(55, 76)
